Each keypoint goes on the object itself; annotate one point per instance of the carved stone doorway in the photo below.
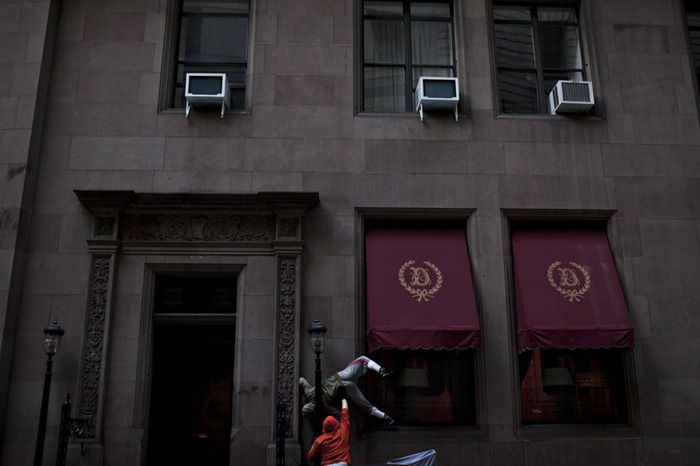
(255, 238)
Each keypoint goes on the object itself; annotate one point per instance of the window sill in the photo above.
(547, 117)
(431, 434)
(388, 115)
(411, 115)
(528, 432)
(213, 111)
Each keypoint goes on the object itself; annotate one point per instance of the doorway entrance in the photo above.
(192, 371)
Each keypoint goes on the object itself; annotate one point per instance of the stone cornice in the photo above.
(105, 201)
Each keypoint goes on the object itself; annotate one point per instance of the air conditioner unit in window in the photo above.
(571, 97)
(437, 94)
(206, 90)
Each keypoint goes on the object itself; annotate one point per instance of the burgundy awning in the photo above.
(419, 290)
(567, 292)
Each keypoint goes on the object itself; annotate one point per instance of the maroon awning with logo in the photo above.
(567, 292)
(419, 290)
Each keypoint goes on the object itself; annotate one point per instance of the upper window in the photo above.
(693, 15)
(212, 38)
(403, 41)
(536, 46)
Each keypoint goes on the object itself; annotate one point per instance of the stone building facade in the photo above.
(122, 217)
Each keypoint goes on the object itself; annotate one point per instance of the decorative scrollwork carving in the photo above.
(197, 227)
(288, 228)
(104, 226)
(94, 338)
(285, 350)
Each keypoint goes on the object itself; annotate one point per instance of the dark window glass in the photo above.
(429, 387)
(402, 41)
(195, 295)
(572, 386)
(518, 92)
(536, 46)
(693, 15)
(213, 38)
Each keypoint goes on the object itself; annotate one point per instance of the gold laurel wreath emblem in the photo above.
(421, 294)
(575, 294)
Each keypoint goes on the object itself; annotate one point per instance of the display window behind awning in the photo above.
(567, 291)
(419, 289)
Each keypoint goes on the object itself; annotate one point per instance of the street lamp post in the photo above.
(317, 331)
(52, 343)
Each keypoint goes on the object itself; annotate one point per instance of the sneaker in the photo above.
(384, 372)
(388, 422)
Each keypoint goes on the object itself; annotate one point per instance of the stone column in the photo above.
(103, 247)
(288, 247)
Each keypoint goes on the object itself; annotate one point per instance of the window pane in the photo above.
(429, 387)
(207, 6)
(559, 46)
(378, 8)
(572, 386)
(384, 41)
(693, 20)
(385, 89)
(514, 46)
(431, 42)
(695, 45)
(435, 10)
(520, 69)
(694, 33)
(518, 92)
(511, 13)
(560, 15)
(215, 39)
(195, 295)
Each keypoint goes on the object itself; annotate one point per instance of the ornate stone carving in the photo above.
(104, 226)
(197, 227)
(285, 350)
(94, 338)
(288, 228)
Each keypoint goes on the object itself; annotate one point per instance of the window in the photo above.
(572, 386)
(422, 321)
(212, 37)
(535, 47)
(429, 388)
(573, 326)
(693, 16)
(403, 41)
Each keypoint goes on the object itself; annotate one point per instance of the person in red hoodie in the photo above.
(332, 446)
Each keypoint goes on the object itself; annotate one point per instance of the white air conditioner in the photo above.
(207, 90)
(571, 97)
(437, 94)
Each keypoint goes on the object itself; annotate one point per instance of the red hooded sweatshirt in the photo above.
(332, 444)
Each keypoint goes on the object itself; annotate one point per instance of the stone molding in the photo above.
(129, 222)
